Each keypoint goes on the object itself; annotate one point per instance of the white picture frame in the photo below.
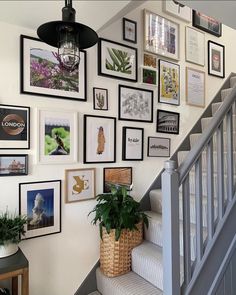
(178, 10)
(195, 46)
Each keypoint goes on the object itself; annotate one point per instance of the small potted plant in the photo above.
(11, 229)
(121, 229)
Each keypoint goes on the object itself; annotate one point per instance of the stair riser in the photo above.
(206, 121)
(232, 82)
(225, 93)
(216, 106)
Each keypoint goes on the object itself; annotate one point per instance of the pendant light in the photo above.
(68, 36)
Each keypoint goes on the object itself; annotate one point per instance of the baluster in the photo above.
(220, 171)
(230, 159)
(210, 190)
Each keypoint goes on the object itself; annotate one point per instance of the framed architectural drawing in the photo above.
(129, 30)
(195, 46)
(195, 87)
(216, 59)
(176, 9)
(167, 122)
(158, 147)
(132, 144)
(117, 176)
(207, 23)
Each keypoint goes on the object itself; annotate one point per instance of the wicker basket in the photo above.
(115, 256)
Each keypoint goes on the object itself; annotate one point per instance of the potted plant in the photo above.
(11, 229)
(121, 229)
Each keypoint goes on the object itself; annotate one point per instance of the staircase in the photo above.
(206, 186)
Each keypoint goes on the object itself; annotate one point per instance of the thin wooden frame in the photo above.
(194, 46)
(80, 184)
(15, 166)
(132, 150)
(196, 91)
(216, 61)
(100, 103)
(120, 176)
(153, 143)
(150, 60)
(128, 26)
(164, 118)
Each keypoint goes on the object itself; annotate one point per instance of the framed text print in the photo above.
(195, 87)
(132, 144)
(195, 46)
(216, 59)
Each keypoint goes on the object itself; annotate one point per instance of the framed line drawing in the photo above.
(13, 165)
(80, 184)
(176, 9)
(161, 35)
(14, 127)
(195, 46)
(158, 147)
(117, 176)
(118, 61)
(99, 139)
(132, 146)
(167, 122)
(216, 59)
(129, 30)
(58, 137)
(100, 99)
(42, 74)
(41, 203)
(207, 23)
(135, 104)
(195, 87)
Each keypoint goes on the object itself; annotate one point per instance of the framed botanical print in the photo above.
(195, 87)
(100, 99)
(207, 23)
(167, 122)
(116, 60)
(13, 165)
(99, 139)
(135, 104)
(14, 127)
(58, 137)
(129, 30)
(132, 144)
(216, 59)
(161, 35)
(80, 184)
(176, 9)
(150, 60)
(169, 83)
(41, 203)
(158, 147)
(42, 73)
(195, 46)
(148, 76)
(117, 176)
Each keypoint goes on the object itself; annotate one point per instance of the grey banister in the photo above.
(194, 153)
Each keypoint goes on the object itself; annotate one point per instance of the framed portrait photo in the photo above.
(80, 184)
(116, 60)
(167, 122)
(132, 146)
(158, 147)
(135, 104)
(207, 23)
(216, 59)
(195, 46)
(13, 165)
(58, 137)
(148, 76)
(99, 139)
(169, 83)
(14, 127)
(129, 30)
(161, 35)
(100, 99)
(176, 9)
(150, 60)
(195, 87)
(41, 203)
(117, 176)
(42, 73)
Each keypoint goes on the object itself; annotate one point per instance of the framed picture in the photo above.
(195, 46)
(176, 9)
(80, 184)
(13, 165)
(100, 99)
(207, 23)
(41, 203)
(161, 35)
(14, 127)
(148, 76)
(167, 122)
(135, 104)
(169, 83)
(150, 60)
(216, 59)
(116, 60)
(99, 139)
(129, 30)
(42, 73)
(132, 144)
(117, 176)
(195, 87)
(158, 147)
(58, 137)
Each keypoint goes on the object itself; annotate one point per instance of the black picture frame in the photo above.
(104, 105)
(14, 127)
(213, 26)
(130, 23)
(153, 143)
(14, 166)
(49, 190)
(130, 109)
(97, 147)
(28, 87)
(105, 66)
(126, 172)
(163, 127)
(212, 69)
(130, 144)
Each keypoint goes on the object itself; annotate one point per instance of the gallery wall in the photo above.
(60, 262)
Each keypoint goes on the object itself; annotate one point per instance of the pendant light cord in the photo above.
(68, 3)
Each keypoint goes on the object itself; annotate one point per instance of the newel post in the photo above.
(170, 228)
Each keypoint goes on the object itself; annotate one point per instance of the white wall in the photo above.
(59, 263)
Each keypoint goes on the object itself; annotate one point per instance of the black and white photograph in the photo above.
(167, 122)
(158, 147)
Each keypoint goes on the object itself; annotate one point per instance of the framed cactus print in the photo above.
(116, 60)
(100, 99)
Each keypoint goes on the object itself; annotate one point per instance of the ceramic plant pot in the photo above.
(8, 249)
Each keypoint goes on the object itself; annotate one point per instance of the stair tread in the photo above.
(128, 284)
